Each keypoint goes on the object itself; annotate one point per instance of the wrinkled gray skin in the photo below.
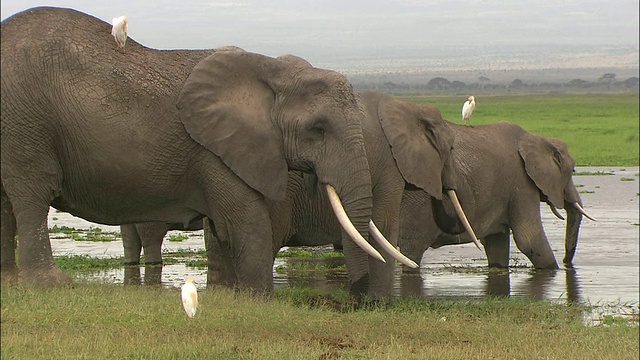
(407, 146)
(170, 136)
(304, 218)
(504, 173)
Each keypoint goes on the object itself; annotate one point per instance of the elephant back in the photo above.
(74, 46)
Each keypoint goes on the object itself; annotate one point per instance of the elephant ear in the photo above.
(420, 142)
(548, 164)
(225, 105)
(568, 166)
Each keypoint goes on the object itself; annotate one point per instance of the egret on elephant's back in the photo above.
(119, 30)
(467, 109)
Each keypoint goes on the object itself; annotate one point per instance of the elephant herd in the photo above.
(264, 152)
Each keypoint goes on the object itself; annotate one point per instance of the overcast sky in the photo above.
(344, 28)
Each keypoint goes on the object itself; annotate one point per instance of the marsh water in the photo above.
(605, 269)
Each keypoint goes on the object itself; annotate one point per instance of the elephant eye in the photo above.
(318, 128)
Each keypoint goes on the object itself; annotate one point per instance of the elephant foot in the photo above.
(547, 263)
(153, 274)
(50, 276)
(132, 275)
(358, 289)
(498, 265)
(409, 270)
(9, 275)
(550, 266)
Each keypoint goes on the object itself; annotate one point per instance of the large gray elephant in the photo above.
(407, 147)
(504, 173)
(170, 136)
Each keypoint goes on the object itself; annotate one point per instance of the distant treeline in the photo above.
(606, 82)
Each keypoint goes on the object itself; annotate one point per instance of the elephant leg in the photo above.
(7, 239)
(243, 221)
(151, 236)
(220, 269)
(532, 241)
(381, 275)
(496, 247)
(386, 215)
(131, 243)
(418, 231)
(357, 262)
(35, 258)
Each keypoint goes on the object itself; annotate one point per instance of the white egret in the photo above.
(119, 31)
(189, 297)
(467, 109)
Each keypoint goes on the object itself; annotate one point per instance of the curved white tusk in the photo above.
(463, 218)
(555, 212)
(581, 210)
(347, 225)
(389, 248)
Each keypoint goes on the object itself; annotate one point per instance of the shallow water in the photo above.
(606, 265)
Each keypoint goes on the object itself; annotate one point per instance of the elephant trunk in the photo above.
(348, 226)
(574, 217)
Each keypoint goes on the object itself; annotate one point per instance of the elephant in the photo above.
(504, 173)
(406, 146)
(165, 136)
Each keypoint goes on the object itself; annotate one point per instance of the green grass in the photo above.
(592, 173)
(304, 252)
(177, 237)
(599, 129)
(92, 234)
(71, 263)
(100, 321)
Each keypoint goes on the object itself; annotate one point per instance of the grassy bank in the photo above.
(101, 321)
(599, 129)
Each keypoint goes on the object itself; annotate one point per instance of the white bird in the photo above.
(189, 297)
(467, 109)
(119, 30)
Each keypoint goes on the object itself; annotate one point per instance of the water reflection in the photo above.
(330, 276)
(533, 283)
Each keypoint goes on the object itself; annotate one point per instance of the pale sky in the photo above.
(345, 29)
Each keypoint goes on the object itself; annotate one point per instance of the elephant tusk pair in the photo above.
(581, 210)
(577, 206)
(348, 227)
(555, 212)
(463, 218)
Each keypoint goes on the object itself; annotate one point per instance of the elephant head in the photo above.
(421, 143)
(264, 116)
(550, 166)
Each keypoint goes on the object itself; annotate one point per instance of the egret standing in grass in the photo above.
(189, 297)
(467, 109)
(119, 31)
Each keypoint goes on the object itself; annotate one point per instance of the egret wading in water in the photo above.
(467, 109)
(189, 297)
(119, 31)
